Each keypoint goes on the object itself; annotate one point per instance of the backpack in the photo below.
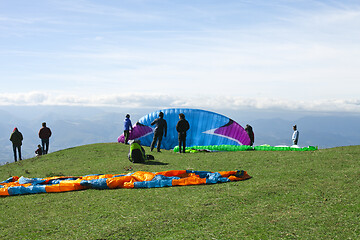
(137, 153)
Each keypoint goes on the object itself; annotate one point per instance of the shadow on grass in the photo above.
(155, 163)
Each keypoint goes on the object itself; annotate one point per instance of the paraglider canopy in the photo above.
(206, 128)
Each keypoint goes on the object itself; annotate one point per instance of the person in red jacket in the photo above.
(44, 135)
(39, 151)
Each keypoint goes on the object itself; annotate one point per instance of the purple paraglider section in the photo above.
(139, 130)
(233, 131)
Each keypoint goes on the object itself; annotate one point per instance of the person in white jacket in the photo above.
(295, 136)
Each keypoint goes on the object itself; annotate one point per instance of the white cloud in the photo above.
(141, 100)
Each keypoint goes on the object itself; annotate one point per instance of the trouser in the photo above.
(45, 145)
(126, 135)
(182, 141)
(19, 151)
(157, 137)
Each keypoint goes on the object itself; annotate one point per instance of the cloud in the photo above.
(141, 100)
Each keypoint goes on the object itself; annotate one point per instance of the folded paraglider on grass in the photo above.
(22, 185)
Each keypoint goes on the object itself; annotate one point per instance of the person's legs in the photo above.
(45, 145)
(126, 135)
(14, 149)
(179, 140)
(159, 142)
(19, 151)
(153, 142)
(184, 143)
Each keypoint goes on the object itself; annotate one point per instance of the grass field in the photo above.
(291, 195)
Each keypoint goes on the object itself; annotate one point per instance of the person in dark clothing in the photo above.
(44, 135)
(16, 138)
(160, 131)
(127, 128)
(38, 151)
(250, 132)
(181, 127)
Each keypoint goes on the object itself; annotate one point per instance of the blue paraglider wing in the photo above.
(206, 128)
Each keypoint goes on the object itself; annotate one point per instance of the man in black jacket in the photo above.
(181, 127)
(160, 131)
(44, 135)
(16, 138)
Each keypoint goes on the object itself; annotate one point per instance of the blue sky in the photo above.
(290, 55)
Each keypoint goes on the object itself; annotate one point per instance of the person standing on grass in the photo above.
(16, 138)
(127, 127)
(250, 132)
(160, 131)
(44, 135)
(295, 136)
(181, 127)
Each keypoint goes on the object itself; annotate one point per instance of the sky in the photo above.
(228, 54)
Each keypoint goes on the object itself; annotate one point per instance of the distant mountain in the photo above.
(75, 126)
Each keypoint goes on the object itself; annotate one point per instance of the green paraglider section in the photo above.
(284, 148)
(234, 148)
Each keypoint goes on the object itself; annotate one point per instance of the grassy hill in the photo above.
(292, 195)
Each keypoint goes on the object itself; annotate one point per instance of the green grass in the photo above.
(292, 195)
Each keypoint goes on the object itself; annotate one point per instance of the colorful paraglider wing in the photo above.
(22, 185)
(233, 131)
(139, 130)
(206, 128)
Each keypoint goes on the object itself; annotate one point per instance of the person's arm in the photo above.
(165, 126)
(177, 126)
